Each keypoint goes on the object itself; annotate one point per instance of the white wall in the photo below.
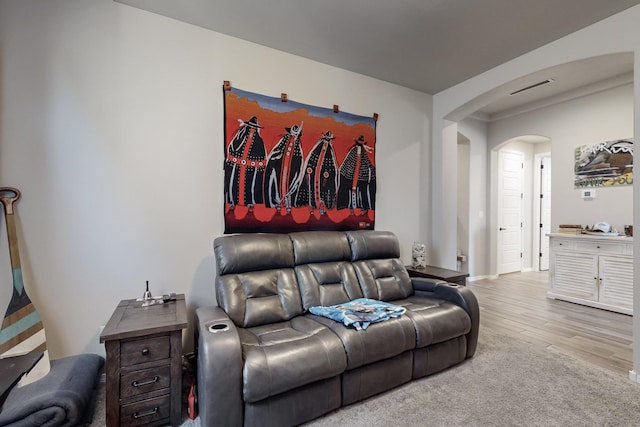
(111, 124)
(464, 156)
(478, 248)
(600, 117)
(619, 33)
(613, 35)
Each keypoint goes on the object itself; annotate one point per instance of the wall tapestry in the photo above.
(292, 167)
(604, 164)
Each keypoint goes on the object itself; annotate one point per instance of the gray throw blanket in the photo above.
(61, 398)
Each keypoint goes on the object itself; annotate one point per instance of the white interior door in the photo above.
(510, 211)
(545, 211)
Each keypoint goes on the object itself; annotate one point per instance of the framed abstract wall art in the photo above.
(604, 164)
(292, 167)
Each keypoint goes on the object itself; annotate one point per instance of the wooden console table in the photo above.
(431, 272)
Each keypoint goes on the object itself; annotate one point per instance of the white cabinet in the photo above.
(616, 282)
(574, 275)
(592, 270)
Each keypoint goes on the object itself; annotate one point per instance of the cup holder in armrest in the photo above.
(218, 327)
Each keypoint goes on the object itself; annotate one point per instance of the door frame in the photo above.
(537, 190)
(499, 239)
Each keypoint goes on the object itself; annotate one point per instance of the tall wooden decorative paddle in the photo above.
(22, 330)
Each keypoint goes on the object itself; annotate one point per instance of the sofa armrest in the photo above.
(219, 359)
(425, 283)
(459, 295)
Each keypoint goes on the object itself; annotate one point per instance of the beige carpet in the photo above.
(509, 382)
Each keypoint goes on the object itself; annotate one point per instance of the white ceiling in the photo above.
(426, 45)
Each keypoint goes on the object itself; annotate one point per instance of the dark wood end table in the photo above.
(451, 276)
(144, 363)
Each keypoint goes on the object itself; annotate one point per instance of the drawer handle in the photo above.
(145, 351)
(137, 415)
(154, 380)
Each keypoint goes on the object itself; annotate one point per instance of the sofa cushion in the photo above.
(378, 342)
(376, 259)
(259, 297)
(324, 273)
(383, 279)
(358, 384)
(282, 356)
(295, 406)
(437, 357)
(435, 320)
(320, 246)
(369, 244)
(327, 284)
(250, 252)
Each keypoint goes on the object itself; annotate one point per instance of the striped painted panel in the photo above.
(20, 323)
(22, 330)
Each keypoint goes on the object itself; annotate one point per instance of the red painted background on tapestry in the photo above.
(261, 218)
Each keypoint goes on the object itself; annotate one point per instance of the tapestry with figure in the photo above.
(292, 167)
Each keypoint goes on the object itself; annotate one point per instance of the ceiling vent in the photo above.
(542, 83)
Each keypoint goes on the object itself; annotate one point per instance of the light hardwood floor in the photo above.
(516, 304)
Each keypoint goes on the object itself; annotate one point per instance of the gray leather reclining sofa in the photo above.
(264, 360)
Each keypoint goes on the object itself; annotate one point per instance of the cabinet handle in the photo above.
(151, 381)
(137, 415)
(145, 351)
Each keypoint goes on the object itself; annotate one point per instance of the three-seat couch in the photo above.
(264, 360)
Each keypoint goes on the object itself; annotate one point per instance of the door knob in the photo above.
(502, 229)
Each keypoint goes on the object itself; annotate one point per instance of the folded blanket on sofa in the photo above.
(360, 312)
(61, 398)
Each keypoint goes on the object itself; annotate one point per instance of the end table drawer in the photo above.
(145, 350)
(144, 381)
(146, 411)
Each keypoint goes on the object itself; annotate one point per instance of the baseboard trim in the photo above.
(474, 278)
(633, 376)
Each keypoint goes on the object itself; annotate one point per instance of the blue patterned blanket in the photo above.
(360, 312)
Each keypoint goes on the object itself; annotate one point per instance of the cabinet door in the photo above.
(616, 281)
(574, 275)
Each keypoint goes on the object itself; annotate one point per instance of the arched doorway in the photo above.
(487, 109)
(520, 235)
